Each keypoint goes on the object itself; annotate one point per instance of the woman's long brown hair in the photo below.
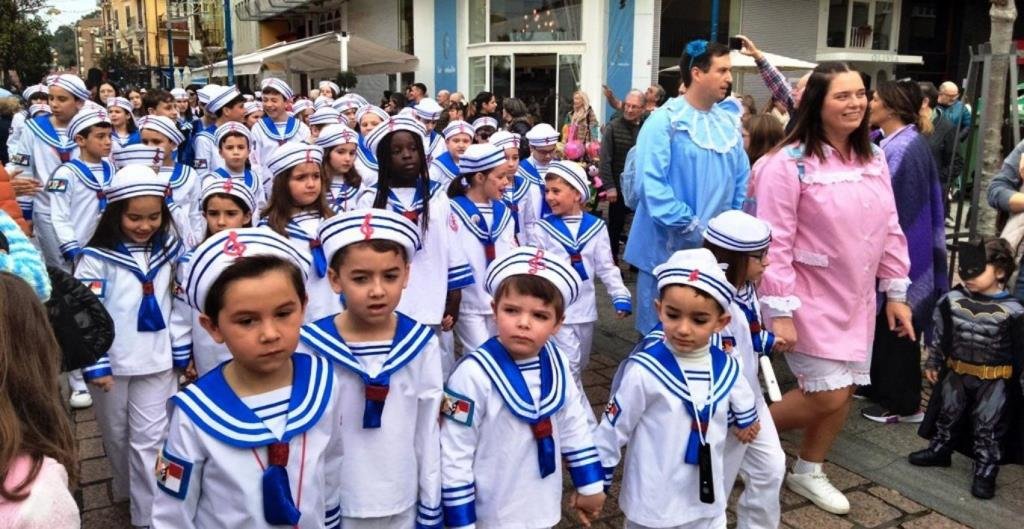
(33, 421)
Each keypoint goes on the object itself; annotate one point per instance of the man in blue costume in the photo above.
(690, 166)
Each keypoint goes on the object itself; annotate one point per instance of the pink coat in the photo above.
(834, 232)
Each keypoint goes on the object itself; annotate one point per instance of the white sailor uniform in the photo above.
(434, 145)
(532, 206)
(444, 169)
(341, 196)
(185, 192)
(499, 411)
(514, 197)
(224, 452)
(485, 233)
(390, 393)
(268, 135)
(250, 178)
(207, 154)
(366, 163)
(301, 232)
(653, 410)
(78, 197)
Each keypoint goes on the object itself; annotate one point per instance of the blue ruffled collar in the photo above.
(717, 129)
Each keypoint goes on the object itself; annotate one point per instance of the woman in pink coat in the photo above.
(835, 238)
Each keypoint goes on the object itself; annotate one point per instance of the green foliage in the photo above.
(119, 65)
(64, 42)
(347, 80)
(24, 40)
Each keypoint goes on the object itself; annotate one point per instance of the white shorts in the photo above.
(815, 374)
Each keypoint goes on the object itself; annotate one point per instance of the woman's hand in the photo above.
(105, 383)
(900, 319)
(785, 334)
(24, 187)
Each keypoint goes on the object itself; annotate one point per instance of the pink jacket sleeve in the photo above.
(778, 192)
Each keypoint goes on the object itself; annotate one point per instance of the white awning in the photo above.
(742, 62)
(318, 54)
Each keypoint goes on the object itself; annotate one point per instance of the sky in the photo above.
(71, 11)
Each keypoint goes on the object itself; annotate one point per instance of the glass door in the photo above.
(536, 77)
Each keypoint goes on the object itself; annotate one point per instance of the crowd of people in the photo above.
(320, 312)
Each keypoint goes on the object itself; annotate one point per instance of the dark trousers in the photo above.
(985, 402)
(895, 371)
(616, 222)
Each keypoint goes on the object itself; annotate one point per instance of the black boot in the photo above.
(984, 484)
(931, 457)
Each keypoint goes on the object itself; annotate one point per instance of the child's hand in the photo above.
(587, 507)
(748, 434)
(621, 314)
(105, 383)
(191, 374)
(447, 323)
(932, 375)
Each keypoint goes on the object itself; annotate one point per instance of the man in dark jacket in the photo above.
(942, 139)
(618, 138)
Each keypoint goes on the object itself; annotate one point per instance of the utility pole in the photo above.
(170, 46)
(228, 42)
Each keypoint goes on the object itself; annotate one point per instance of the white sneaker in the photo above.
(816, 487)
(80, 399)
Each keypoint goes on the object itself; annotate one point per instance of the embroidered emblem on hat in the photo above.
(234, 247)
(537, 262)
(229, 184)
(694, 276)
(366, 229)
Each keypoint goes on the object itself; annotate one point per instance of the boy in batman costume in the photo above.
(975, 356)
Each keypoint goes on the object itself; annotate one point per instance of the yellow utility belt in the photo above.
(983, 372)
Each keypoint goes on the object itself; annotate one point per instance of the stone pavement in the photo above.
(868, 465)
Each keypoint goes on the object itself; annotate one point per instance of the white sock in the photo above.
(806, 467)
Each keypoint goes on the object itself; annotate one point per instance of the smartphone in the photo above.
(735, 43)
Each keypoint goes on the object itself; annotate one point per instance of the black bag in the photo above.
(83, 328)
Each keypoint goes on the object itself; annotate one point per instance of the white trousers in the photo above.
(762, 463)
(446, 339)
(703, 523)
(475, 329)
(575, 341)
(46, 240)
(133, 419)
(402, 520)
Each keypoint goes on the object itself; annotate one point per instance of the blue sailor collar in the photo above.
(166, 250)
(447, 164)
(179, 175)
(217, 410)
(418, 201)
(574, 243)
(718, 129)
(291, 127)
(247, 177)
(44, 130)
(339, 193)
(410, 339)
(365, 154)
(89, 177)
(476, 223)
(520, 186)
(660, 362)
(530, 171)
(509, 381)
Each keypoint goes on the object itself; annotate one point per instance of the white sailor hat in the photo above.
(223, 249)
(335, 89)
(39, 108)
(407, 112)
(137, 181)
(504, 139)
(371, 109)
(321, 102)
(231, 127)
(699, 269)
(119, 102)
(179, 94)
(163, 125)
(205, 93)
(485, 121)
(574, 175)
(301, 106)
(85, 119)
(390, 126)
(277, 85)
(345, 103)
(738, 231)
(34, 89)
(359, 99)
(221, 96)
(91, 105)
(325, 116)
(336, 134)
(480, 158)
(457, 127)
(293, 153)
(72, 83)
(542, 135)
(428, 109)
(137, 154)
(228, 186)
(351, 227)
(252, 107)
(258, 95)
(528, 260)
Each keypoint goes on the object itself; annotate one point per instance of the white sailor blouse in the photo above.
(653, 410)
(366, 163)
(745, 338)
(77, 199)
(207, 154)
(186, 191)
(341, 197)
(434, 145)
(444, 169)
(301, 232)
(532, 206)
(508, 424)
(390, 393)
(252, 462)
(583, 241)
(486, 232)
(268, 135)
(41, 151)
(188, 338)
(514, 197)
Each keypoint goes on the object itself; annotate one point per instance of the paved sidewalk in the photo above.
(869, 466)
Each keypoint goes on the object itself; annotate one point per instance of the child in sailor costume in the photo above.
(131, 383)
(528, 187)
(517, 188)
(517, 406)
(302, 221)
(185, 183)
(445, 167)
(347, 106)
(207, 154)
(340, 144)
(43, 147)
(390, 381)
(581, 239)
(78, 188)
(266, 457)
(439, 270)
(120, 105)
(486, 232)
(240, 171)
(368, 118)
(321, 118)
(153, 158)
(734, 236)
(34, 96)
(674, 402)
(427, 112)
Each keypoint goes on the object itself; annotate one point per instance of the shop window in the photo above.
(865, 24)
(524, 20)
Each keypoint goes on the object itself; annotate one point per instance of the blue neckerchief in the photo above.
(150, 318)
(660, 362)
(447, 164)
(762, 339)
(87, 177)
(574, 244)
(366, 155)
(338, 195)
(291, 127)
(509, 381)
(474, 221)
(43, 129)
(410, 338)
(411, 211)
(294, 230)
(247, 177)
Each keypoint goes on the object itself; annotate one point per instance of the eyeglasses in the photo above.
(760, 255)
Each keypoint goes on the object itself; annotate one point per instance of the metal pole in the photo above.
(714, 21)
(228, 43)
(170, 45)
